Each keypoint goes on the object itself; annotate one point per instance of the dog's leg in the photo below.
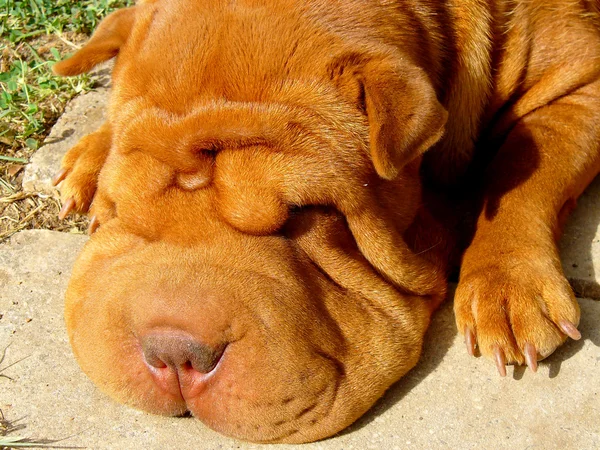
(80, 168)
(513, 300)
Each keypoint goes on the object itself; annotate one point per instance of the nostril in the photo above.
(180, 352)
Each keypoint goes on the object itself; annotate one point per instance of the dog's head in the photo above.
(251, 266)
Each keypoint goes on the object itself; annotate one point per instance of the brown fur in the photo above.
(294, 180)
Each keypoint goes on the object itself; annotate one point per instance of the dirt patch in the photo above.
(24, 211)
(21, 210)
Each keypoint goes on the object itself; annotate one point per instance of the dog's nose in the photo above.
(179, 352)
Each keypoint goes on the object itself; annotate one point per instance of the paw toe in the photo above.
(515, 320)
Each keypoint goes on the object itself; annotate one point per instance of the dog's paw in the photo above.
(78, 176)
(515, 310)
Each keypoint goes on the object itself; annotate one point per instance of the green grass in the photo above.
(25, 19)
(34, 35)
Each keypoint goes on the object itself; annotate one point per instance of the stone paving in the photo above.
(82, 116)
(449, 400)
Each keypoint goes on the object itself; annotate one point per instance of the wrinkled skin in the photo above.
(271, 241)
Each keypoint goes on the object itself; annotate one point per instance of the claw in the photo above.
(530, 356)
(67, 207)
(93, 226)
(500, 360)
(470, 340)
(569, 329)
(60, 176)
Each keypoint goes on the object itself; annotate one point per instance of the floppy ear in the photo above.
(405, 117)
(105, 43)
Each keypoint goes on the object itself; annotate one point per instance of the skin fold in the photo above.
(282, 189)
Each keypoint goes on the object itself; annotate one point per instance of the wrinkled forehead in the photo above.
(182, 50)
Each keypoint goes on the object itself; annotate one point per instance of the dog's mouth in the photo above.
(213, 386)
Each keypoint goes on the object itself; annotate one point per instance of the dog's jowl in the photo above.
(283, 187)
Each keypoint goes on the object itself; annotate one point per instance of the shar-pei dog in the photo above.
(283, 187)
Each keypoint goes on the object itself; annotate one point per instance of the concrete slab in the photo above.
(580, 245)
(449, 400)
(84, 115)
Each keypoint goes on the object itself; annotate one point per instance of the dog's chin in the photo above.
(252, 393)
(240, 397)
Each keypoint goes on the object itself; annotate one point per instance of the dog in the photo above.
(283, 188)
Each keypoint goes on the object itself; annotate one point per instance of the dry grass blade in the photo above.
(2, 369)
(13, 159)
(24, 210)
(7, 427)
(12, 442)
(16, 197)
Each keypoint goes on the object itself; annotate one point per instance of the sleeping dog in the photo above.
(283, 187)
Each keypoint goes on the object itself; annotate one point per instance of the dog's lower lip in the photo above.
(184, 383)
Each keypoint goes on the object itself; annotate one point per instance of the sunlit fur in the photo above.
(295, 180)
